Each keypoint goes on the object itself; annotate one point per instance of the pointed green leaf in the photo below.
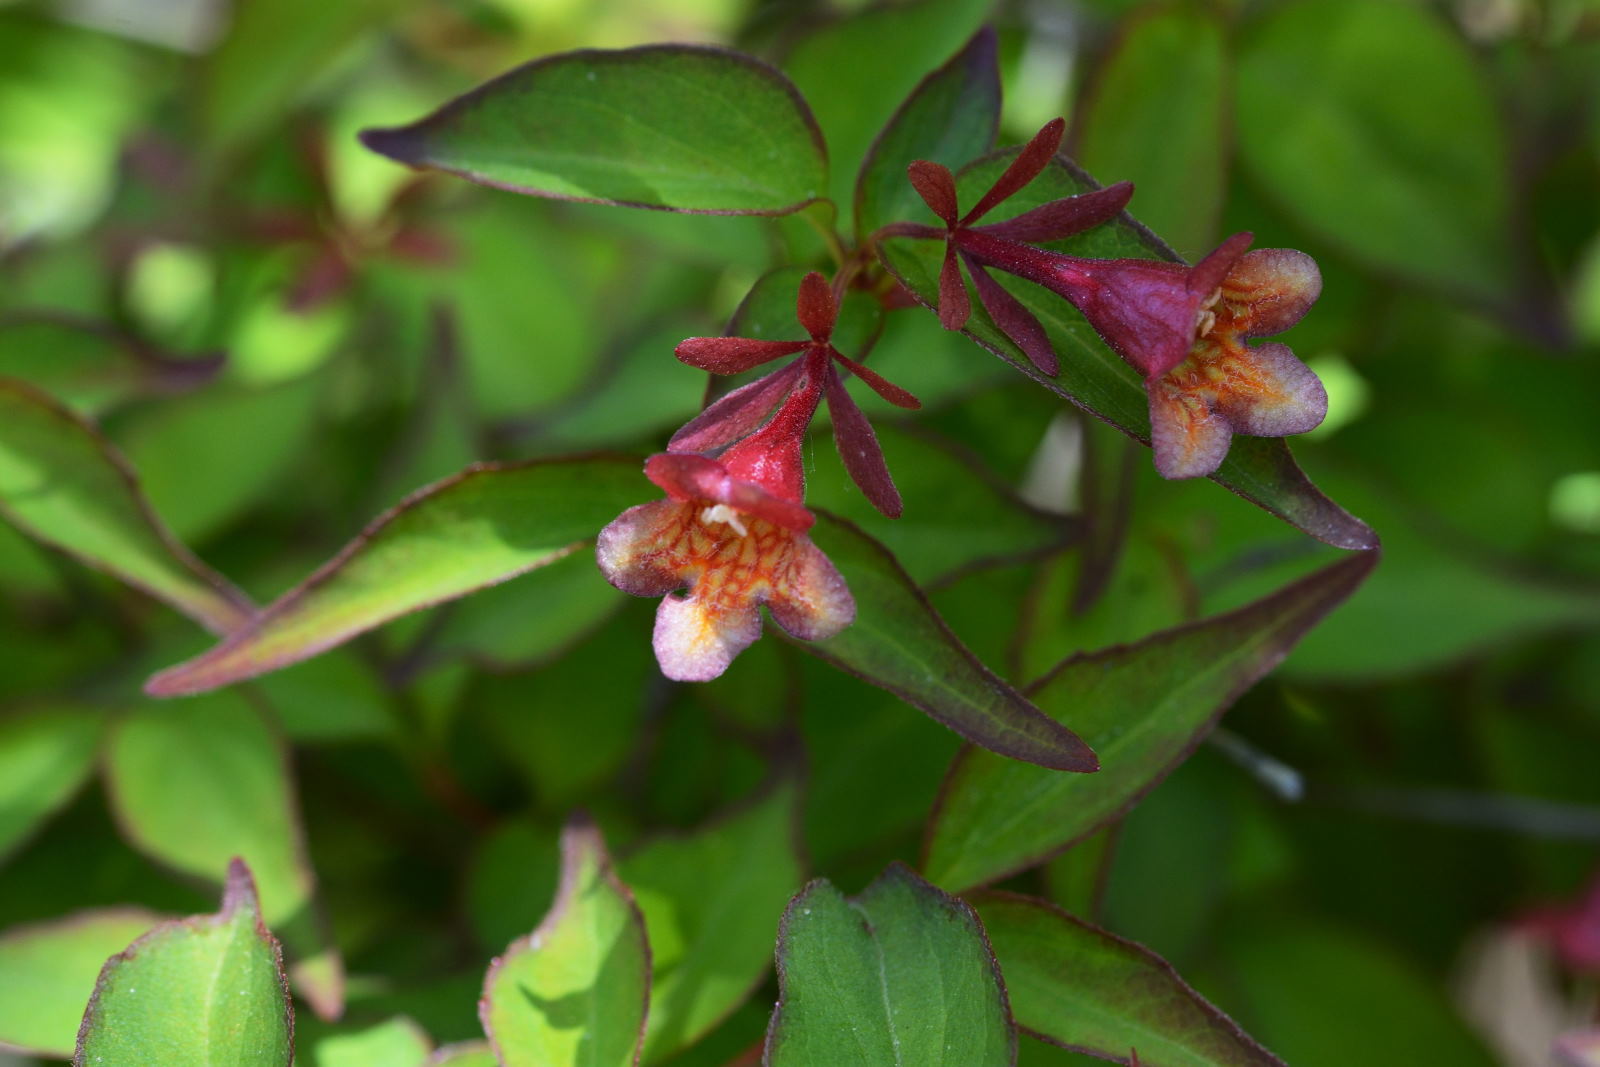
(1374, 125)
(207, 990)
(950, 118)
(63, 484)
(679, 127)
(1257, 468)
(899, 642)
(45, 755)
(479, 528)
(1074, 985)
(195, 783)
(710, 900)
(48, 970)
(1144, 706)
(900, 975)
(574, 992)
(1156, 115)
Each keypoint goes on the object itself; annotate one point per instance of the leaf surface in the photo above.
(207, 990)
(48, 971)
(679, 127)
(63, 484)
(1093, 377)
(196, 783)
(1144, 706)
(1079, 987)
(45, 755)
(481, 527)
(899, 642)
(710, 901)
(574, 992)
(900, 975)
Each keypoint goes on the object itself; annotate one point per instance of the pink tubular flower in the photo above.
(733, 531)
(1048, 222)
(743, 409)
(1183, 328)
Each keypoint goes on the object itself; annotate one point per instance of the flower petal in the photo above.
(1014, 320)
(1208, 274)
(736, 414)
(696, 639)
(1064, 217)
(954, 307)
(810, 599)
(631, 548)
(1189, 439)
(731, 355)
(858, 447)
(1033, 158)
(686, 476)
(1268, 392)
(1268, 291)
(937, 187)
(816, 307)
(891, 392)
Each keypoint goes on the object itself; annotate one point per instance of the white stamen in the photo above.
(723, 513)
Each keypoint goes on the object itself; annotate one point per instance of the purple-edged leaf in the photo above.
(678, 127)
(192, 785)
(732, 355)
(900, 975)
(899, 642)
(948, 119)
(710, 899)
(204, 990)
(45, 755)
(1143, 706)
(63, 484)
(1077, 986)
(1261, 470)
(47, 971)
(489, 523)
(858, 448)
(574, 992)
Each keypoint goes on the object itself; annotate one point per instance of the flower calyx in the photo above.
(815, 372)
(1048, 222)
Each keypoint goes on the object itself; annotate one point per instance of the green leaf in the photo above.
(1079, 987)
(207, 990)
(842, 71)
(711, 900)
(950, 118)
(575, 991)
(398, 1042)
(899, 642)
(1309, 988)
(63, 484)
(901, 974)
(1144, 706)
(1156, 115)
(679, 127)
(195, 783)
(45, 756)
(465, 1054)
(1373, 124)
(48, 970)
(483, 526)
(1093, 377)
(958, 513)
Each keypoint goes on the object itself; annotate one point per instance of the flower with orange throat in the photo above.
(732, 531)
(1184, 329)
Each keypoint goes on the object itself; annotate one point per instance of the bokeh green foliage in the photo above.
(284, 334)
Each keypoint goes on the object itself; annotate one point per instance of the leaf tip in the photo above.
(399, 143)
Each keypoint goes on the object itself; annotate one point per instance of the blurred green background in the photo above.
(285, 333)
